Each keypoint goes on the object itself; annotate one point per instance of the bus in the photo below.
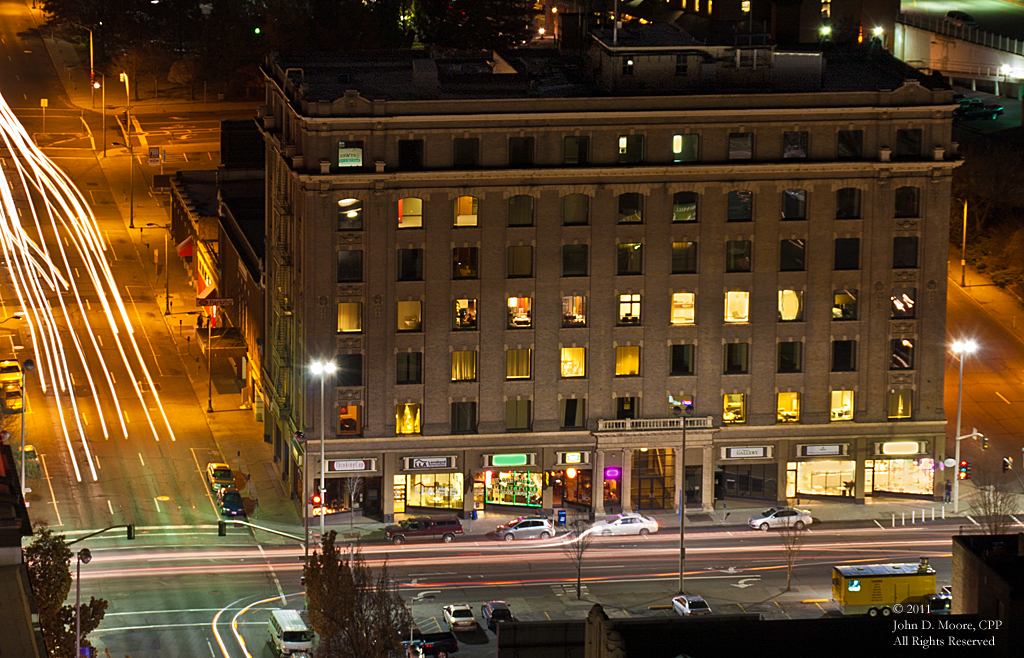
(873, 589)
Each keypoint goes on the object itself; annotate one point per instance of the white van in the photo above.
(288, 632)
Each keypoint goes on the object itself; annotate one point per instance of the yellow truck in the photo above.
(875, 588)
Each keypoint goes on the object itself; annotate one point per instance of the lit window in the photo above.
(574, 362)
(745, 6)
(682, 308)
(630, 258)
(629, 309)
(349, 420)
(410, 212)
(789, 408)
(903, 302)
(684, 148)
(734, 408)
(407, 418)
(350, 317)
(410, 316)
(900, 403)
(844, 304)
(737, 306)
(631, 149)
(519, 316)
(464, 366)
(684, 207)
(517, 364)
(350, 215)
(627, 361)
(842, 405)
(791, 306)
(466, 210)
(574, 311)
(464, 315)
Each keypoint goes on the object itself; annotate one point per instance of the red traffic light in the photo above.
(316, 500)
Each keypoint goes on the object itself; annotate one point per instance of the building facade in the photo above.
(526, 279)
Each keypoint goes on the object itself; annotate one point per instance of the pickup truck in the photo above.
(424, 529)
(441, 645)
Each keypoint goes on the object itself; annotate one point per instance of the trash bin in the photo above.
(389, 518)
(474, 515)
(561, 517)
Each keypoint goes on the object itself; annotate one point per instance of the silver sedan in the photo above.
(781, 518)
(625, 524)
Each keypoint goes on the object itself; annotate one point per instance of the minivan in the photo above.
(288, 632)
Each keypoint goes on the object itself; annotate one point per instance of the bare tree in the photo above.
(792, 540)
(353, 486)
(575, 548)
(993, 501)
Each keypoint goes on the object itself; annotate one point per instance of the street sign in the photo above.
(43, 102)
(225, 301)
(154, 156)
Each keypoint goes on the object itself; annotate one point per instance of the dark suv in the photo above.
(425, 528)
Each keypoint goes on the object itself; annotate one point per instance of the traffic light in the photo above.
(222, 528)
(1007, 464)
(984, 443)
(131, 531)
(965, 469)
(315, 500)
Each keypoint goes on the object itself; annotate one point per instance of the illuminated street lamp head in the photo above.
(825, 30)
(877, 31)
(964, 346)
(319, 368)
(95, 84)
(123, 77)
(1005, 69)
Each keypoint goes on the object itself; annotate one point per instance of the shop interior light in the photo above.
(570, 473)
(900, 448)
(487, 477)
(612, 473)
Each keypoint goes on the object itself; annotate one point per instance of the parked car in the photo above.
(219, 476)
(625, 524)
(960, 19)
(496, 612)
(459, 617)
(526, 527)
(441, 645)
(781, 518)
(230, 502)
(977, 111)
(938, 604)
(13, 400)
(691, 604)
(424, 529)
(10, 371)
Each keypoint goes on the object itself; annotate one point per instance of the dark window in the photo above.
(350, 370)
(571, 413)
(902, 354)
(466, 152)
(847, 254)
(908, 144)
(684, 257)
(794, 204)
(463, 417)
(681, 360)
(850, 144)
(520, 261)
(520, 210)
(904, 252)
(576, 150)
(625, 408)
(350, 266)
(684, 207)
(410, 154)
(848, 203)
(630, 258)
(517, 418)
(627, 65)
(350, 215)
(741, 146)
(903, 302)
(908, 202)
(794, 144)
(631, 207)
(791, 255)
(844, 355)
(574, 260)
(844, 304)
(410, 368)
(631, 149)
(681, 64)
(735, 359)
(575, 209)
(464, 263)
(789, 357)
(737, 256)
(410, 264)
(520, 151)
(741, 206)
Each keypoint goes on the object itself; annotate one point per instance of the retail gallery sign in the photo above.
(351, 465)
(428, 463)
(747, 452)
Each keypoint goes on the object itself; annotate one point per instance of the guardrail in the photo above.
(648, 424)
(964, 33)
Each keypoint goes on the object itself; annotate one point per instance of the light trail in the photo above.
(34, 188)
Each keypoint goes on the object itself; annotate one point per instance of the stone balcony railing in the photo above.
(653, 424)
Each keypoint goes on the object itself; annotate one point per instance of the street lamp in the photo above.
(83, 556)
(167, 271)
(322, 370)
(103, 101)
(678, 411)
(961, 348)
(963, 248)
(27, 366)
(131, 155)
(92, 69)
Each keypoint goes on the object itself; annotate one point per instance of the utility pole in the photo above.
(685, 412)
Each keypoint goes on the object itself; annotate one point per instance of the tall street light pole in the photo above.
(685, 413)
(27, 366)
(963, 253)
(103, 101)
(961, 348)
(322, 370)
(83, 556)
(167, 271)
(131, 155)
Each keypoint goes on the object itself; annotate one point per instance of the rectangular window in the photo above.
(520, 210)
(350, 154)
(627, 65)
(630, 258)
(907, 202)
(789, 408)
(844, 304)
(737, 306)
(574, 260)
(627, 361)
(350, 317)
(574, 362)
(685, 148)
(681, 360)
(350, 370)
(847, 254)
(410, 212)
(844, 355)
(740, 206)
(903, 301)
(350, 266)
(789, 357)
(570, 413)
(350, 215)
(409, 368)
(517, 364)
(410, 316)
(574, 311)
(577, 150)
(741, 146)
(682, 308)
(517, 415)
(407, 418)
(850, 144)
(350, 420)
(900, 403)
(463, 417)
(734, 359)
(791, 306)
(466, 211)
(737, 256)
(684, 207)
(791, 255)
(908, 144)
(794, 205)
(904, 252)
(519, 313)
(464, 263)
(902, 354)
(464, 315)
(631, 149)
(575, 209)
(794, 144)
(629, 309)
(520, 151)
(466, 152)
(684, 257)
(410, 265)
(681, 62)
(848, 203)
(631, 207)
(410, 154)
(734, 408)
(464, 366)
(842, 405)
(625, 407)
(520, 262)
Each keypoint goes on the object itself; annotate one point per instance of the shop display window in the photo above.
(904, 476)
(791, 306)
(464, 315)
(789, 408)
(439, 491)
(683, 307)
(521, 488)
(574, 311)
(407, 418)
(574, 362)
(734, 408)
(826, 477)
(519, 313)
(842, 405)
(399, 489)
(571, 487)
(737, 306)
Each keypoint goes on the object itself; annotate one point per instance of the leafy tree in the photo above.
(48, 559)
(991, 178)
(474, 24)
(356, 614)
(576, 545)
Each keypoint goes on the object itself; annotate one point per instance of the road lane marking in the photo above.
(99, 339)
(88, 305)
(141, 460)
(1002, 398)
(209, 496)
(157, 501)
(142, 325)
(79, 275)
(85, 421)
(112, 251)
(126, 420)
(110, 506)
(211, 648)
(49, 482)
(879, 524)
(273, 574)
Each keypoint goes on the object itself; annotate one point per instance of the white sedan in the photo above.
(781, 518)
(625, 524)
(459, 617)
(691, 604)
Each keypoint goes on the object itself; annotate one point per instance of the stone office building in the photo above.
(526, 267)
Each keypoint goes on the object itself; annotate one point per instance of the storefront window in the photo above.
(441, 490)
(654, 478)
(734, 408)
(571, 487)
(514, 488)
(407, 418)
(750, 481)
(399, 486)
(905, 476)
(825, 478)
(789, 408)
(842, 405)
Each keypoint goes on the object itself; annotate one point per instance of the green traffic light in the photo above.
(257, 30)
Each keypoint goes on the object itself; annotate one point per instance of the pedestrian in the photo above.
(199, 321)
(948, 496)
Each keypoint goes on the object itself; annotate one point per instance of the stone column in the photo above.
(389, 468)
(626, 495)
(597, 486)
(707, 498)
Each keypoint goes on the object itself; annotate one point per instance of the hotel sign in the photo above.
(428, 463)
